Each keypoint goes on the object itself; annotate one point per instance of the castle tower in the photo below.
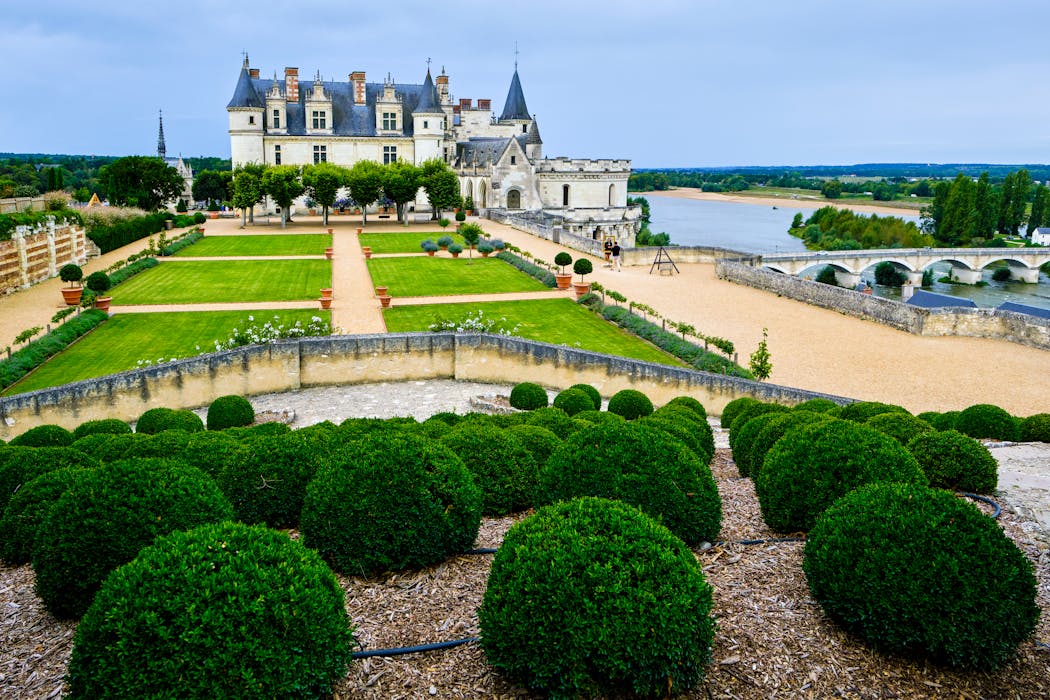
(533, 142)
(246, 120)
(428, 121)
(515, 111)
(162, 151)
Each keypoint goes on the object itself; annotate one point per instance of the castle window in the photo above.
(389, 154)
(251, 118)
(319, 119)
(565, 195)
(426, 124)
(513, 160)
(277, 119)
(320, 154)
(276, 155)
(390, 121)
(524, 128)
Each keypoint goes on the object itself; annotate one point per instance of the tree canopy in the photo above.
(365, 184)
(209, 186)
(441, 185)
(247, 190)
(283, 183)
(322, 182)
(140, 181)
(401, 183)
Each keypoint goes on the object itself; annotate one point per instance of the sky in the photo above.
(665, 83)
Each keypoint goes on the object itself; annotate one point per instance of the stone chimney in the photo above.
(442, 86)
(253, 73)
(291, 84)
(484, 105)
(357, 80)
(464, 103)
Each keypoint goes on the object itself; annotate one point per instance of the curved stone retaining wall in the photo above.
(294, 364)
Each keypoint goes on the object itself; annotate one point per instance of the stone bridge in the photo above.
(967, 263)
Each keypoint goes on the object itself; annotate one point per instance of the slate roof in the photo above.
(481, 151)
(1025, 308)
(534, 134)
(932, 300)
(515, 107)
(245, 94)
(429, 101)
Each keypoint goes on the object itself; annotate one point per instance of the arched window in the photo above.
(612, 195)
(565, 195)
(482, 195)
(514, 199)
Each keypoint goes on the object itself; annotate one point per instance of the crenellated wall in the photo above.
(336, 360)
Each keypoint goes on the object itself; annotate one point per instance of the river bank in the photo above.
(801, 202)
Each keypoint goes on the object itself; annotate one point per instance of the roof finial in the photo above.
(515, 56)
(245, 54)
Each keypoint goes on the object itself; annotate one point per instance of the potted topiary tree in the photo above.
(99, 283)
(460, 216)
(468, 204)
(455, 249)
(443, 222)
(429, 247)
(564, 278)
(582, 267)
(471, 235)
(485, 248)
(73, 274)
(444, 242)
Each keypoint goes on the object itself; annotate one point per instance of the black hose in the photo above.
(398, 651)
(1044, 645)
(481, 550)
(983, 499)
(771, 540)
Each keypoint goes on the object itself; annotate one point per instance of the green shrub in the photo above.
(572, 401)
(104, 519)
(27, 509)
(746, 437)
(810, 468)
(817, 406)
(946, 421)
(392, 502)
(745, 415)
(690, 403)
(913, 570)
(861, 411)
(540, 273)
(166, 445)
(230, 412)
(553, 419)
(630, 403)
(221, 611)
(596, 398)
(680, 431)
(20, 465)
(109, 448)
(599, 417)
(593, 597)
(154, 420)
(1036, 428)
(105, 426)
(353, 429)
(449, 418)
(734, 407)
(502, 467)
(902, 427)
(955, 461)
(987, 421)
(930, 417)
(128, 271)
(44, 436)
(537, 440)
(777, 427)
(700, 428)
(267, 483)
(640, 465)
(527, 396)
(98, 282)
(211, 452)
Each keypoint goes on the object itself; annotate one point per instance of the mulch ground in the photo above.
(773, 640)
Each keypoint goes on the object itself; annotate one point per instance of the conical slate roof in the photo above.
(429, 102)
(534, 133)
(514, 107)
(244, 95)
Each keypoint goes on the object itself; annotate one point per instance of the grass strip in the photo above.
(201, 281)
(267, 244)
(427, 276)
(402, 242)
(36, 353)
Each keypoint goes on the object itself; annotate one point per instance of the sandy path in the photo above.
(803, 202)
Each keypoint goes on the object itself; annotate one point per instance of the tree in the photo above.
(323, 182)
(831, 189)
(1022, 186)
(283, 184)
(401, 184)
(986, 206)
(760, 363)
(365, 183)
(140, 181)
(959, 222)
(247, 190)
(471, 235)
(82, 194)
(1006, 197)
(887, 275)
(441, 185)
(932, 214)
(209, 186)
(1040, 209)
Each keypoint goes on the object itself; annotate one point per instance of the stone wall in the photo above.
(294, 364)
(33, 255)
(976, 323)
(678, 254)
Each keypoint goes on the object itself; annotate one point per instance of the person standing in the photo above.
(616, 255)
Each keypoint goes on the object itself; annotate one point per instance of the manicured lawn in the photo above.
(427, 276)
(201, 281)
(123, 340)
(559, 321)
(232, 246)
(382, 243)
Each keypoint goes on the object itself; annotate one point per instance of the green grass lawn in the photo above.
(123, 340)
(559, 321)
(383, 243)
(232, 246)
(427, 276)
(199, 282)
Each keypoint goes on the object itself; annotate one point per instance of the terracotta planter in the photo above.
(581, 288)
(200, 229)
(213, 215)
(431, 253)
(563, 280)
(381, 291)
(326, 302)
(328, 253)
(359, 229)
(485, 255)
(385, 301)
(455, 255)
(329, 231)
(72, 295)
(102, 303)
(313, 212)
(326, 293)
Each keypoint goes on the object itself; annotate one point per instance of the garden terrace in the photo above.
(202, 282)
(399, 242)
(258, 245)
(434, 276)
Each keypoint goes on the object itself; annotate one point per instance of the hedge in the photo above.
(121, 233)
(39, 351)
(542, 274)
(184, 242)
(128, 271)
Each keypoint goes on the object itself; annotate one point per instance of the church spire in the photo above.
(161, 148)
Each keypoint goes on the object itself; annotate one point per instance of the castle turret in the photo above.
(515, 111)
(428, 122)
(246, 120)
(533, 142)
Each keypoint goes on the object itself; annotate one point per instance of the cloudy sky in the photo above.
(682, 83)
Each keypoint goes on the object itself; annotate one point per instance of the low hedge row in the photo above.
(542, 274)
(37, 352)
(184, 242)
(129, 271)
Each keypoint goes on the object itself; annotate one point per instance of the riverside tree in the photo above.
(283, 183)
(140, 181)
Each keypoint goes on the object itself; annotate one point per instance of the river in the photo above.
(755, 228)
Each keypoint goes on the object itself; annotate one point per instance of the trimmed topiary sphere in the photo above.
(745, 415)
(861, 411)
(553, 419)
(955, 461)
(746, 436)
(698, 426)
(173, 622)
(105, 426)
(44, 436)
(596, 398)
(267, 483)
(777, 427)
(528, 396)
(681, 431)
(539, 441)
(593, 597)
(930, 417)
(913, 570)
(598, 417)
(690, 403)
(572, 401)
(902, 427)
(640, 465)
(230, 412)
(109, 448)
(20, 465)
(211, 452)
(104, 519)
(165, 445)
(502, 467)
(810, 468)
(391, 503)
(946, 421)
(1036, 428)
(734, 407)
(984, 420)
(27, 509)
(630, 404)
(153, 421)
(817, 406)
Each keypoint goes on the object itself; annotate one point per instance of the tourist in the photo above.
(616, 255)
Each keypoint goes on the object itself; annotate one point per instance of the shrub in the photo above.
(527, 396)
(128, 271)
(599, 417)
(553, 419)
(946, 421)
(27, 509)
(630, 404)
(230, 412)
(987, 421)
(562, 259)
(211, 452)
(729, 413)
(1036, 428)
(109, 448)
(20, 465)
(817, 406)
(393, 502)
(540, 273)
(572, 401)
(71, 272)
(156, 420)
(267, 483)
(172, 623)
(810, 468)
(640, 465)
(104, 426)
(98, 282)
(779, 425)
(44, 436)
(902, 427)
(680, 431)
(537, 440)
(104, 519)
(549, 622)
(502, 467)
(699, 427)
(485, 247)
(861, 411)
(960, 593)
(746, 435)
(199, 217)
(582, 267)
(745, 415)
(455, 248)
(952, 460)
(165, 445)
(444, 241)
(690, 403)
(37, 352)
(596, 398)
(929, 416)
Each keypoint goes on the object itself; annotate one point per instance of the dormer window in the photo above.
(513, 160)
(389, 121)
(277, 119)
(319, 119)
